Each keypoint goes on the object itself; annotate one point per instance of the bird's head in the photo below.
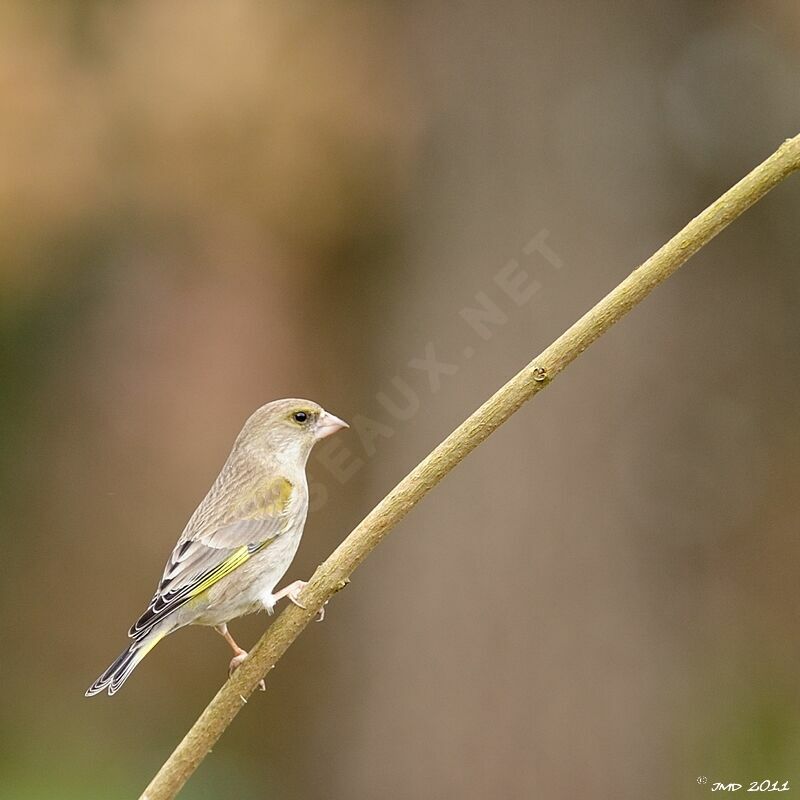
(288, 428)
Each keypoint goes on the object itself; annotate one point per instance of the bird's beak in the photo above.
(329, 424)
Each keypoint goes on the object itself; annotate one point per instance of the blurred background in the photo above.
(205, 206)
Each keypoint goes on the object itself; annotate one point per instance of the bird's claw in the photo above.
(296, 600)
(292, 593)
(236, 662)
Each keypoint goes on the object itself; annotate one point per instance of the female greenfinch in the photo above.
(241, 539)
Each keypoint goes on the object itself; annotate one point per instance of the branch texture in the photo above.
(334, 573)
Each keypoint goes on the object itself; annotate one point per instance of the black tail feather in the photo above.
(119, 671)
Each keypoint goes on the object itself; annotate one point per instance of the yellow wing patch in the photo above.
(232, 562)
(236, 559)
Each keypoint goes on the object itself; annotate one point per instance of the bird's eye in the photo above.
(300, 416)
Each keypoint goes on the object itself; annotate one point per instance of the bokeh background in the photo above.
(205, 206)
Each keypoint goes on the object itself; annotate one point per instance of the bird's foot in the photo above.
(236, 663)
(292, 592)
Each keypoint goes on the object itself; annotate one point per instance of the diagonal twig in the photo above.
(334, 573)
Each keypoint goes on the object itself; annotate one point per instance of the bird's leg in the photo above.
(292, 591)
(223, 631)
(239, 655)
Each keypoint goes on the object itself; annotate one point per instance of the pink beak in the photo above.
(329, 424)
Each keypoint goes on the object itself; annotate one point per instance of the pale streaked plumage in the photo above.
(242, 537)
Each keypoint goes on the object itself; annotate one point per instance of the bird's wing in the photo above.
(229, 527)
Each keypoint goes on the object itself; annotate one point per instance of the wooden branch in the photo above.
(334, 573)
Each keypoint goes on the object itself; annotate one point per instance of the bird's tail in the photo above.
(113, 678)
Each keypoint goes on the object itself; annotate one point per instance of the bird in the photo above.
(240, 540)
